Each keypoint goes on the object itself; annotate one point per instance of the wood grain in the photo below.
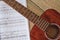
(43, 4)
(36, 9)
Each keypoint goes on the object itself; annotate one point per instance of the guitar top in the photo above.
(51, 16)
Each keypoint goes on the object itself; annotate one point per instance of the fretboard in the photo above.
(40, 22)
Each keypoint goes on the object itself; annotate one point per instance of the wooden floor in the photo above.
(39, 6)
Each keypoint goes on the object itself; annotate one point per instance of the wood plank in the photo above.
(47, 4)
(36, 9)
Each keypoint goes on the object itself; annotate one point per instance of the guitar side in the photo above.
(50, 15)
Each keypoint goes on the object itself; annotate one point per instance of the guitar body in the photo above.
(50, 15)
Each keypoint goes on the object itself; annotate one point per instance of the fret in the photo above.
(18, 7)
(27, 13)
(35, 20)
(9, 2)
(39, 21)
(14, 6)
(31, 16)
(23, 10)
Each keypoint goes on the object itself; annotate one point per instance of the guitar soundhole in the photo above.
(52, 31)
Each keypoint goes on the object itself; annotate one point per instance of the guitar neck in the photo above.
(27, 13)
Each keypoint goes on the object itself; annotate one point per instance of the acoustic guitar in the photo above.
(47, 27)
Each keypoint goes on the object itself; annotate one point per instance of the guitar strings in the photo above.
(47, 23)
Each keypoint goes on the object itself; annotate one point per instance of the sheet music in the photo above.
(13, 26)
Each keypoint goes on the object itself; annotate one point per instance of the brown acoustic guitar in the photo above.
(47, 27)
